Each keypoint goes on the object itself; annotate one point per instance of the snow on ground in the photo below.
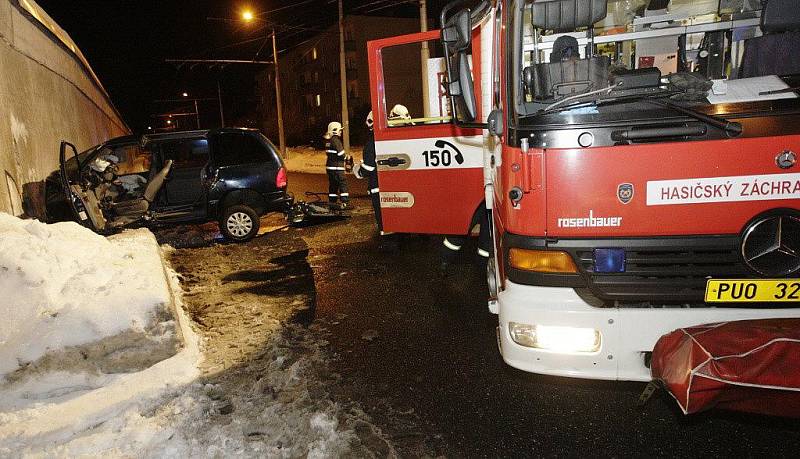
(64, 286)
(77, 383)
(311, 161)
(88, 330)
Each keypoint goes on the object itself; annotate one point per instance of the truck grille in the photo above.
(665, 273)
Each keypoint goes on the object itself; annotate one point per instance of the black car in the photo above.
(230, 175)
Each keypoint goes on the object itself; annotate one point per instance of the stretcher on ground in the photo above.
(749, 365)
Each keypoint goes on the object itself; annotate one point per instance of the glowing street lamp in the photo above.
(248, 17)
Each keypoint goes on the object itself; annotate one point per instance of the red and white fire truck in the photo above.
(629, 197)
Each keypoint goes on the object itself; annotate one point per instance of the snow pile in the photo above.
(86, 313)
(64, 286)
(277, 417)
(57, 406)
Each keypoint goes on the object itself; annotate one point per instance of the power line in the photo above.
(393, 4)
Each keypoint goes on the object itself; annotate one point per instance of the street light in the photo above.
(248, 17)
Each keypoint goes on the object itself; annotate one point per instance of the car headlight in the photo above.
(564, 340)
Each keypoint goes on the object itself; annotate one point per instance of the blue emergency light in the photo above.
(609, 260)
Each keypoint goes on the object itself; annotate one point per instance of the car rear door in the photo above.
(184, 185)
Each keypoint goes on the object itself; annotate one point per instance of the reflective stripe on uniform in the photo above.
(340, 153)
(450, 245)
(374, 190)
(344, 195)
(332, 195)
(367, 167)
(483, 253)
(331, 151)
(332, 168)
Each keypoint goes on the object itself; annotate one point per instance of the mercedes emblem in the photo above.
(771, 245)
(786, 159)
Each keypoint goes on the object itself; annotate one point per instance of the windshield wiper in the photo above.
(731, 127)
(658, 98)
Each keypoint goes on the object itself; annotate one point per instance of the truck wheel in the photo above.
(239, 223)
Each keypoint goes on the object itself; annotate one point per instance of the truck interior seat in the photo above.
(567, 73)
(776, 52)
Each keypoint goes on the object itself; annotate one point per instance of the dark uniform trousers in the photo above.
(451, 245)
(337, 184)
(369, 169)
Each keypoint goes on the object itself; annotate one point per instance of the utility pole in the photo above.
(221, 111)
(197, 113)
(281, 136)
(424, 55)
(343, 78)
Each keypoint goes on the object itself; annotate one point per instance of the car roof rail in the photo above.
(148, 138)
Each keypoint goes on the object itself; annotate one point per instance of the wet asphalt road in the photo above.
(421, 359)
(410, 349)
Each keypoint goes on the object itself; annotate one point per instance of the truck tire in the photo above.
(239, 223)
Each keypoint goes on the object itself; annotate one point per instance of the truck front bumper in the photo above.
(627, 334)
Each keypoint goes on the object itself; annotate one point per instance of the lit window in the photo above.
(319, 100)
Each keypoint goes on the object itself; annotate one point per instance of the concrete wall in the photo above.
(47, 93)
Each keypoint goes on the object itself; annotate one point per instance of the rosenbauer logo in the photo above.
(724, 189)
(590, 222)
(396, 200)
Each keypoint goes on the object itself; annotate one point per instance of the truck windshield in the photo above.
(691, 57)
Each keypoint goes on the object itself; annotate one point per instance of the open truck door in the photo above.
(430, 170)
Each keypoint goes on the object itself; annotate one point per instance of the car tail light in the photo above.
(280, 180)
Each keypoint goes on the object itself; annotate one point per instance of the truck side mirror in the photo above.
(457, 40)
(457, 32)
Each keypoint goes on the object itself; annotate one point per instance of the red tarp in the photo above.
(749, 365)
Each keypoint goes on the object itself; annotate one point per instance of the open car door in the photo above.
(82, 200)
(430, 171)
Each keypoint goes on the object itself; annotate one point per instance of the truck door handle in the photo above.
(392, 161)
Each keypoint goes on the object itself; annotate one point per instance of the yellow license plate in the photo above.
(752, 291)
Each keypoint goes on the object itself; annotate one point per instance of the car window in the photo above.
(186, 152)
(235, 148)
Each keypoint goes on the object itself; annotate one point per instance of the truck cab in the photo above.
(639, 168)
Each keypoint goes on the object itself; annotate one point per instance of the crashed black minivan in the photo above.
(230, 175)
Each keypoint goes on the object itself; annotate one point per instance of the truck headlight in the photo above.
(564, 340)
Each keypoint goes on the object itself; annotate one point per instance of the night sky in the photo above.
(127, 42)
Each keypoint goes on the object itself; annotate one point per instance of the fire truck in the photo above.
(638, 166)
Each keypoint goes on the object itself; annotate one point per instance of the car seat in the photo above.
(776, 52)
(137, 207)
(567, 73)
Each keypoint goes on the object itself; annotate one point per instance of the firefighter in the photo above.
(399, 112)
(452, 245)
(369, 169)
(337, 184)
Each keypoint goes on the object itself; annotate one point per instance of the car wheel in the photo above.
(239, 223)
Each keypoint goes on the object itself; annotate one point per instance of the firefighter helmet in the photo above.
(399, 112)
(370, 122)
(334, 129)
